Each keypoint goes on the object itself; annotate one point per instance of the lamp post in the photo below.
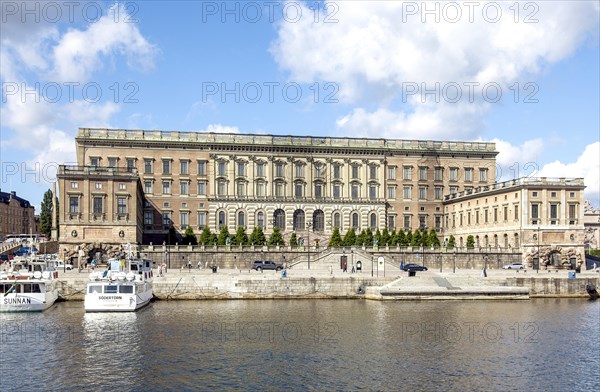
(454, 263)
(538, 252)
(308, 226)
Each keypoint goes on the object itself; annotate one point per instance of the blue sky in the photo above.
(333, 68)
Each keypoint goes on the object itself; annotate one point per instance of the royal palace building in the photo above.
(133, 185)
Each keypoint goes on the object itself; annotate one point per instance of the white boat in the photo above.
(125, 287)
(28, 285)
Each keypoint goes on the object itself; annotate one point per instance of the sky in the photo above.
(522, 74)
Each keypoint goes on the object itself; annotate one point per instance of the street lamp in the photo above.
(454, 263)
(538, 252)
(308, 226)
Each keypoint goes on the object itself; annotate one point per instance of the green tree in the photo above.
(393, 238)
(46, 214)
(293, 240)
(336, 238)
(276, 238)
(223, 235)
(433, 239)
(189, 238)
(470, 242)
(172, 238)
(451, 242)
(206, 236)
(425, 238)
(402, 241)
(257, 237)
(241, 238)
(350, 238)
(360, 239)
(408, 237)
(416, 239)
(385, 237)
(377, 236)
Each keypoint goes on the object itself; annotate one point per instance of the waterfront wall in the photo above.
(554, 287)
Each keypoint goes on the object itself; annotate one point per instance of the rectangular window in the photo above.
(319, 170)
(112, 162)
(391, 172)
(130, 165)
(483, 174)
(337, 191)
(372, 192)
(422, 222)
(391, 222)
(553, 213)
(74, 185)
(260, 169)
(373, 172)
(422, 173)
(185, 187)
(184, 219)
(260, 189)
(535, 213)
(407, 173)
(391, 192)
(148, 186)
(148, 217)
(438, 222)
(279, 190)
(166, 187)
(166, 218)
(476, 217)
(201, 168)
(299, 170)
(485, 216)
(422, 193)
(406, 222)
(185, 167)
(98, 208)
(453, 190)
(222, 168)
(221, 188)
(241, 169)
(98, 185)
(572, 214)
(406, 195)
(241, 189)
(166, 166)
(495, 215)
(439, 174)
(121, 205)
(337, 171)
(148, 166)
(298, 189)
(74, 204)
(122, 186)
(354, 191)
(318, 191)
(516, 212)
(94, 161)
(202, 187)
(201, 219)
(279, 169)
(438, 193)
(468, 174)
(453, 174)
(505, 217)
(354, 171)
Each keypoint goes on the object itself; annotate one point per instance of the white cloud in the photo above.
(587, 166)
(517, 161)
(376, 47)
(218, 128)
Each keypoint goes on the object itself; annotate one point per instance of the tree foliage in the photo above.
(336, 238)
(293, 240)
(470, 242)
(241, 238)
(206, 237)
(451, 242)
(276, 238)
(46, 214)
(350, 238)
(189, 238)
(433, 238)
(257, 237)
(223, 236)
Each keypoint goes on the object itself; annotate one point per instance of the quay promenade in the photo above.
(394, 284)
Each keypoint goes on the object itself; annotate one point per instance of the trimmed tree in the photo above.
(393, 238)
(189, 238)
(257, 237)
(276, 238)
(425, 238)
(385, 237)
(336, 238)
(206, 236)
(377, 237)
(433, 239)
(409, 236)
(416, 239)
(241, 238)
(368, 237)
(172, 238)
(223, 235)
(470, 242)
(451, 242)
(293, 240)
(402, 241)
(350, 238)
(46, 214)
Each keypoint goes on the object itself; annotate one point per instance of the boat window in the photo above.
(27, 288)
(35, 288)
(134, 267)
(97, 289)
(110, 289)
(126, 289)
(2, 289)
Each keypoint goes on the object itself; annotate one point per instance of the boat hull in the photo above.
(117, 302)
(28, 302)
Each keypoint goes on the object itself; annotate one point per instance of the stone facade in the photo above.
(16, 215)
(591, 222)
(542, 217)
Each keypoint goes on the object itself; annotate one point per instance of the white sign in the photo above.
(380, 264)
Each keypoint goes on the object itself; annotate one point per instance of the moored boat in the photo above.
(28, 285)
(125, 286)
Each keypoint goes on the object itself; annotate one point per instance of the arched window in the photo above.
(221, 219)
(495, 240)
(355, 221)
(337, 220)
(373, 221)
(461, 242)
(260, 219)
(506, 240)
(319, 220)
(486, 241)
(241, 219)
(517, 240)
(279, 219)
(299, 220)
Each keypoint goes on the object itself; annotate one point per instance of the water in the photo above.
(542, 344)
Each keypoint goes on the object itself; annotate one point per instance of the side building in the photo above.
(16, 215)
(541, 217)
(164, 179)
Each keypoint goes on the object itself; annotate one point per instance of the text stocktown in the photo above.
(254, 92)
(53, 92)
(454, 92)
(254, 12)
(262, 332)
(65, 11)
(471, 332)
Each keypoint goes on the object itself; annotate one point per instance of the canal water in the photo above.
(320, 345)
